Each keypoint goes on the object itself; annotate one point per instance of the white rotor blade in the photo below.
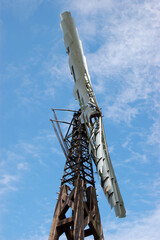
(91, 115)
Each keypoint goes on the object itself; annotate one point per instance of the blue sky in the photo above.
(121, 44)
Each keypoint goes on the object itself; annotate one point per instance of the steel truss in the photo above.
(77, 190)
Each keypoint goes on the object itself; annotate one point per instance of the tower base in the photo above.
(85, 218)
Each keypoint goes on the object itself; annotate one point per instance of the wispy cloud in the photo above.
(27, 90)
(20, 158)
(91, 8)
(30, 148)
(40, 233)
(154, 135)
(7, 183)
(127, 55)
(22, 166)
(10, 177)
(144, 227)
(57, 67)
(155, 189)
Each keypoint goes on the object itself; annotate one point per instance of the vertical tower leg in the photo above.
(78, 215)
(55, 232)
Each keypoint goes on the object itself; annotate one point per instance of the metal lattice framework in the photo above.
(78, 160)
(77, 190)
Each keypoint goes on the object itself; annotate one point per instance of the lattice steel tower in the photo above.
(77, 190)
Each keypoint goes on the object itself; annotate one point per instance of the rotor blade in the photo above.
(91, 114)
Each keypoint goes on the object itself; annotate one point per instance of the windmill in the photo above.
(84, 143)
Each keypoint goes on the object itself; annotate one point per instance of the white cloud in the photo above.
(137, 157)
(91, 7)
(58, 68)
(144, 227)
(127, 54)
(10, 177)
(29, 89)
(40, 233)
(7, 179)
(154, 136)
(55, 150)
(7, 183)
(22, 166)
(155, 188)
(121, 112)
(30, 149)
(13, 156)
(19, 158)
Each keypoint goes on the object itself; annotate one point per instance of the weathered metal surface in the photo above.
(84, 214)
